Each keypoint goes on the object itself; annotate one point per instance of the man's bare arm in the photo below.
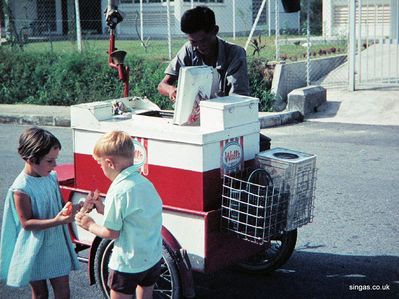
(167, 87)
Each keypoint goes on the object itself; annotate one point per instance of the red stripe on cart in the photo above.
(192, 190)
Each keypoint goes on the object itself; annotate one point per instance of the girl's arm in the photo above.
(87, 223)
(24, 209)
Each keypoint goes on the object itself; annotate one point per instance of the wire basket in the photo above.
(257, 209)
(252, 211)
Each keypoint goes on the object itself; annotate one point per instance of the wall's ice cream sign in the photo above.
(140, 154)
(232, 155)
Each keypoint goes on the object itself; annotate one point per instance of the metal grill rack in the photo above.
(251, 211)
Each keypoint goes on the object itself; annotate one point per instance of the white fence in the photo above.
(374, 47)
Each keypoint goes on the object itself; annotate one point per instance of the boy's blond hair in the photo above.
(114, 143)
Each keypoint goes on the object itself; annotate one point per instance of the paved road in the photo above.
(352, 243)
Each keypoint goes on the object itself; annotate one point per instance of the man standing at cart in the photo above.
(204, 47)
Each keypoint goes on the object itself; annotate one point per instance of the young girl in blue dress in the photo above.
(35, 243)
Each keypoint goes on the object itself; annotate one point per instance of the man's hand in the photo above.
(167, 87)
(172, 93)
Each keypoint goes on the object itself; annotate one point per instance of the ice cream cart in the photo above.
(224, 201)
(212, 216)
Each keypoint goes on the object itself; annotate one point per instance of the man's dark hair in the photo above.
(197, 19)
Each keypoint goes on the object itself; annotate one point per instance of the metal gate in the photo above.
(373, 44)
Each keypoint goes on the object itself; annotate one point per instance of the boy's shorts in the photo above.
(127, 283)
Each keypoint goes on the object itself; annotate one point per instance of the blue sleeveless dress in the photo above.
(35, 255)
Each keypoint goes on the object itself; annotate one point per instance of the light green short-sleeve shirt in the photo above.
(134, 208)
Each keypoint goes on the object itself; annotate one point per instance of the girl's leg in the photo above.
(39, 289)
(61, 287)
(117, 295)
(144, 292)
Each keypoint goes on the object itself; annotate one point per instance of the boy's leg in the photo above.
(122, 285)
(117, 295)
(144, 292)
(145, 288)
(61, 287)
(125, 285)
(39, 289)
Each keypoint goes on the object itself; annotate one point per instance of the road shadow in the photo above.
(307, 275)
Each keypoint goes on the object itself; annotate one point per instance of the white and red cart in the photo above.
(188, 165)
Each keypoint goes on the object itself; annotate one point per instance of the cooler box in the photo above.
(228, 112)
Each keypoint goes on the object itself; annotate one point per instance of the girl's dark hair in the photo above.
(197, 19)
(35, 143)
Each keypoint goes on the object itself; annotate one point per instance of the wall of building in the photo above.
(375, 18)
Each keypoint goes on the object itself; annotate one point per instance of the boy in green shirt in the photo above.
(132, 213)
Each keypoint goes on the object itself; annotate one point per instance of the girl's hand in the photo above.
(77, 207)
(61, 218)
(70, 208)
(67, 209)
(83, 220)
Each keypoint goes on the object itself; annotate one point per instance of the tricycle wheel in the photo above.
(167, 286)
(276, 254)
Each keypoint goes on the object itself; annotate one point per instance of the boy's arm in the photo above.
(99, 206)
(87, 223)
(103, 232)
(93, 200)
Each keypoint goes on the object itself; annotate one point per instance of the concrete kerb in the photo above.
(40, 115)
(35, 120)
(266, 119)
(274, 119)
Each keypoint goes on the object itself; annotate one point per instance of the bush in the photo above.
(16, 76)
(72, 78)
(53, 79)
(145, 77)
(260, 81)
